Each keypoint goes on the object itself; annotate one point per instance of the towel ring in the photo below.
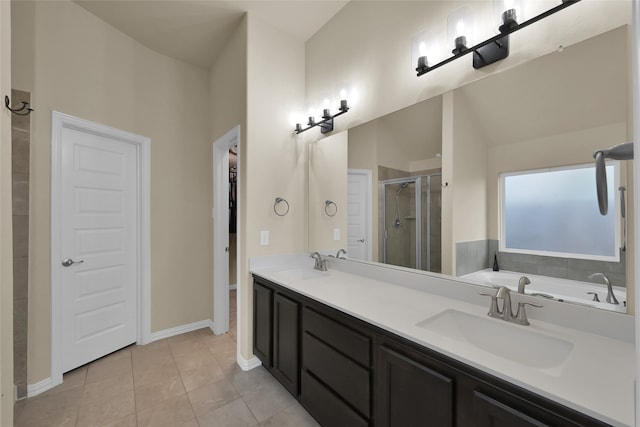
(275, 206)
(327, 210)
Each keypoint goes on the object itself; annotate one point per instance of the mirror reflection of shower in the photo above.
(400, 188)
(411, 221)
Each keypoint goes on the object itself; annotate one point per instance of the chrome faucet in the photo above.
(503, 293)
(524, 281)
(341, 251)
(321, 264)
(611, 298)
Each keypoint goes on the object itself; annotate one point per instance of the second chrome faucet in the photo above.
(506, 313)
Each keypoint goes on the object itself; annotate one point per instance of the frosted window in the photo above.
(557, 211)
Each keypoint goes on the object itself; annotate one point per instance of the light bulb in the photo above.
(460, 27)
(422, 49)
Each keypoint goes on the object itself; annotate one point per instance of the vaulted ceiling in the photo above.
(196, 31)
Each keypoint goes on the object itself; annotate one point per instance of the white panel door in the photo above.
(358, 211)
(98, 245)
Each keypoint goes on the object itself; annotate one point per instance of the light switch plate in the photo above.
(336, 234)
(264, 238)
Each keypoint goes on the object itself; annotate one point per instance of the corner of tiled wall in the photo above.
(20, 141)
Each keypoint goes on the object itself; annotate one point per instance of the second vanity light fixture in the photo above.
(491, 50)
(326, 124)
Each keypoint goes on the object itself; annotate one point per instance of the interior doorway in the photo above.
(226, 228)
(100, 242)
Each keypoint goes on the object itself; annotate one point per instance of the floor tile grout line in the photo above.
(186, 393)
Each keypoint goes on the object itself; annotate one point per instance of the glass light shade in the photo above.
(460, 29)
(508, 9)
(425, 45)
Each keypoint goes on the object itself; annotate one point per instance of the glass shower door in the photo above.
(400, 223)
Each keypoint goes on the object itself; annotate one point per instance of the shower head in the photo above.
(402, 187)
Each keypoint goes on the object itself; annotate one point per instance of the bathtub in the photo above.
(561, 289)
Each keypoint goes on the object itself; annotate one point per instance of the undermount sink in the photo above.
(517, 343)
(302, 274)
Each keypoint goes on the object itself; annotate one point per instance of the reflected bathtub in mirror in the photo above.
(563, 290)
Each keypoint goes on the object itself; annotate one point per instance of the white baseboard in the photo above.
(166, 333)
(232, 287)
(248, 364)
(39, 387)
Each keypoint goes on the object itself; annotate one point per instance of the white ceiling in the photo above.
(195, 31)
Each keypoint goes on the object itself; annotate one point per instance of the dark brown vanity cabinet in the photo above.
(346, 372)
(409, 393)
(336, 365)
(262, 322)
(416, 386)
(276, 338)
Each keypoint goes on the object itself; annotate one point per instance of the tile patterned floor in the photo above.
(183, 381)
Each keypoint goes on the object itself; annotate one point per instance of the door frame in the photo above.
(220, 213)
(368, 196)
(60, 121)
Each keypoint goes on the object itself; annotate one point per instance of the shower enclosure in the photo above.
(410, 222)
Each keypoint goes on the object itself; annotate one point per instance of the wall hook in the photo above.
(25, 110)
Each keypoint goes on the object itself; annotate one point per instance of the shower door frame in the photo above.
(417, 180)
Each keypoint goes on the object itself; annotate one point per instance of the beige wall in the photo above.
(228, 94)
(327, 181)
(76, 64)
(6, 257)
(467, 179)
(274, 161)
(228, 84)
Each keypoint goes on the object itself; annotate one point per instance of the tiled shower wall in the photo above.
(478, 255)
(20, 141)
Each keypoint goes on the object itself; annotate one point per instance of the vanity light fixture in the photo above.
(326, 124)
(495, 48)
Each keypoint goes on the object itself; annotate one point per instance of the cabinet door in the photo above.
(286, 321)
(262, 323)
(489, 412)
(411, 394)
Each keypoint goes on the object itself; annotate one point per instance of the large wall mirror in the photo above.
(424, 187)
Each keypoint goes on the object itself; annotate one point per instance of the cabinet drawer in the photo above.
(348, 379)
(325, 407)
(348, 341)
(489, 412)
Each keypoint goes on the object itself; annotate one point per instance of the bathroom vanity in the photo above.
(358, 351)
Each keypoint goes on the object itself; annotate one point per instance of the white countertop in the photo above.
(597, 378)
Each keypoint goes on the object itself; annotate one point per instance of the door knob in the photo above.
(68, 262)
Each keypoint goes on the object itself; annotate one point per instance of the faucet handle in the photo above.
(595, 296)
(494, 311)
(521, 315)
